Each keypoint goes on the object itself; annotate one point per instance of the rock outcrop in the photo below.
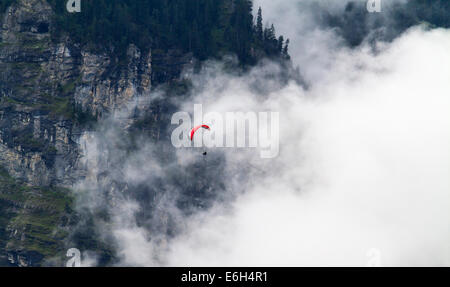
(47, 88)
(44, 85)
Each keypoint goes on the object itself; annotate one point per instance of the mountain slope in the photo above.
(59, 76)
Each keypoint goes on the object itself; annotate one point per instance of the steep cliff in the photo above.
(49, 91)
(55, 88)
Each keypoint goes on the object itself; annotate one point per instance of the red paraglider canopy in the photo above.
(196, 128)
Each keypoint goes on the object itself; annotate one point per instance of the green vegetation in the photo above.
(38, 214)
(40, 221)
(435, 12)
(207, 28)
(27, 142)
(60, 106)
(355, 24)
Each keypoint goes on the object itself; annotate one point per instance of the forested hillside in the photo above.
(356, 25)
(207, 28)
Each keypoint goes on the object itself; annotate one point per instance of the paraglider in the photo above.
(196, 128)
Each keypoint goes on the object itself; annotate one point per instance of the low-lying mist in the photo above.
(363, 166)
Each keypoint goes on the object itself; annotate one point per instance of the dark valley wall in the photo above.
(49, 91)
(54, 86)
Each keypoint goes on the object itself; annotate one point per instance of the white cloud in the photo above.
(364, 161)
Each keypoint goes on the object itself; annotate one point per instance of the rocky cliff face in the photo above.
(47, 90)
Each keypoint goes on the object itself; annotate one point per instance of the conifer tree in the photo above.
(259, 25)
(285, 49)
(280, 44)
